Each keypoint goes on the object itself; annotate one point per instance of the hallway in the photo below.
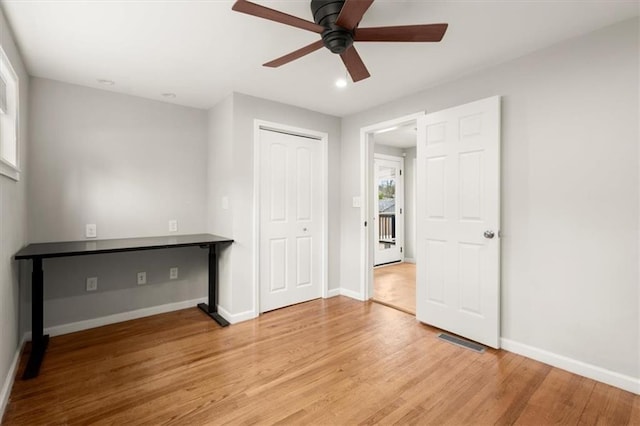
(395, 286)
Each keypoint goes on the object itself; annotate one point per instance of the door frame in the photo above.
(323, 139)
(366, 182)
(400, 228)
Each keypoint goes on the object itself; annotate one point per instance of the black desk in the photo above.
(38, 252)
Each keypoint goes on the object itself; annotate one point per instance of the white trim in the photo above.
(333, 293)
(5, 393)
(414, 202)
(352, 294)
(72, 327)
(388, 157)
(236, 318)
(8, 169)
(255, 302)
(622, 381)
(366, 251)
(323, 138)
(409, 259)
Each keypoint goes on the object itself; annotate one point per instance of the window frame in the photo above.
(7, 169)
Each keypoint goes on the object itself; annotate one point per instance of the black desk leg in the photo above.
(212, 308)
(39, 341)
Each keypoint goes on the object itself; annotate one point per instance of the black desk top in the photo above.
(79, 248)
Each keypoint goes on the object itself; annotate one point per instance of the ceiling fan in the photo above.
(337, 22)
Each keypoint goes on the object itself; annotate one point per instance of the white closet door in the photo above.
(290, 220)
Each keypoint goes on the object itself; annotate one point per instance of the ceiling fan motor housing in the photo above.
(325, 13)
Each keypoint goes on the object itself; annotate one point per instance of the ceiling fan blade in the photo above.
(295, 55)
(354, 64)
(260, 11)
(428, 32)
(352, 12)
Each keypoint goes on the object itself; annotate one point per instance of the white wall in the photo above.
(410, 202)
(237, 263)
(13, 224)
(219, 179)
(128, 165)
(570, 190)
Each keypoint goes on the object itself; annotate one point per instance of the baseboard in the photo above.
(236, 318)
(58, 330)
(333, 292)
(409, 260)
(11, 376)
(628, 383)
(352, 294)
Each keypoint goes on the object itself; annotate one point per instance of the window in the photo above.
(9, 154)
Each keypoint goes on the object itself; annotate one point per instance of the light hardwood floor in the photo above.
(334, 361)
(395, 285)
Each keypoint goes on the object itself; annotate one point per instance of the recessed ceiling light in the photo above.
(341, 82)
(106, 82)
(169, 95)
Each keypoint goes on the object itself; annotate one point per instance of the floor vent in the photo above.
(461, 342)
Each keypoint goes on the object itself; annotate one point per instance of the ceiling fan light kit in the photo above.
(337, 22)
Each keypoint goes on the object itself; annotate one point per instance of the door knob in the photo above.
(489, 234)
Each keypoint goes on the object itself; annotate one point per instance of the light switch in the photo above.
(356, 202)
(225, 203)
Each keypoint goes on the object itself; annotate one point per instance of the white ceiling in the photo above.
(202, 51)
(400, 137)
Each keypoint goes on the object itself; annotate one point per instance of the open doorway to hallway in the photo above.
(393, 192)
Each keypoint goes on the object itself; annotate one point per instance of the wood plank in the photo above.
(395, 286)
(561, 399)
(334, 361)
(609, 406)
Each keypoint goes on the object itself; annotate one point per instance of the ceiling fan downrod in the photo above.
(325, 13)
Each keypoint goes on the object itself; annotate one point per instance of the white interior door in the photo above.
(388, 193)
(458, 245)
(290, 220)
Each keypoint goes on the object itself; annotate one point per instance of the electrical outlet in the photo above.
(142, 278)
(225, 203)
(173, 273)
(91, 230)
(173, 225)
(92, 283)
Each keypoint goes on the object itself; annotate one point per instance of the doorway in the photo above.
(388, 191)
(290, 184)
(392, 199)
(458, 217)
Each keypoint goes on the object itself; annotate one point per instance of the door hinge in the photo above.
(400, 210)
(400, 249)
(400, 172)
(365, 223)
